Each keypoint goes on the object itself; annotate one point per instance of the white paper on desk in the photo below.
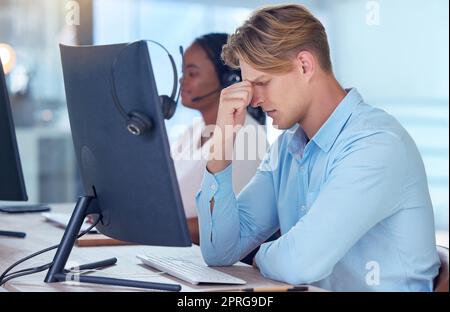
(62, 219)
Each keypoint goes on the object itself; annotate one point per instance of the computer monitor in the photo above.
(129, 180)
(12, 185)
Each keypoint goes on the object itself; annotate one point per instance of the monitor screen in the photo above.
(131, 177)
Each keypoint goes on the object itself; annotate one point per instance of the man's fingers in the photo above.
(237, 86)
(233, 91)
(246, 94)
(236, 102)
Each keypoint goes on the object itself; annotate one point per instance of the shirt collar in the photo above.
(328, 133)
(330, 130)
(297, 140)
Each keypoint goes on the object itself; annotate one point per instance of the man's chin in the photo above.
(280, 125)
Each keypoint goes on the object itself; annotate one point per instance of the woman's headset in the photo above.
(230, 78)
(212, 44)
(136, 122)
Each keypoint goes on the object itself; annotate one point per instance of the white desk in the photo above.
(41, 235)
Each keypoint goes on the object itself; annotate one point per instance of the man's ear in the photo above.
(306, 63)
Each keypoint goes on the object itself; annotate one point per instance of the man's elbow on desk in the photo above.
(293, 270)
(295, 275)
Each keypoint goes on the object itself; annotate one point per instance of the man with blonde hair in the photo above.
(344, 184)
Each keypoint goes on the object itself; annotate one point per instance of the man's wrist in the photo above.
(215, 166)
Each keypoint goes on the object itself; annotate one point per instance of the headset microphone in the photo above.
(227, 80)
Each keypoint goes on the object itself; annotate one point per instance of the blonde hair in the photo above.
(273, 35)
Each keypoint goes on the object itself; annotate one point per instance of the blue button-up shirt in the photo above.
(352, 205)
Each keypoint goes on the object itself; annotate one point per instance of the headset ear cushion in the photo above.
(168, 106)
(230, 78)
(138, 123)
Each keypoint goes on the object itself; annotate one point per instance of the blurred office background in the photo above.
(396, 52)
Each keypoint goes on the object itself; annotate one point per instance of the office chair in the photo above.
(441, 281)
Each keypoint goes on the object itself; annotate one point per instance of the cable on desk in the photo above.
(6, 277)
(25, 272)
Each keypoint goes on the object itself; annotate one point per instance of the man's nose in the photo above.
(256, 101)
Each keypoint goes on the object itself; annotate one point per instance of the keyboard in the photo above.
(189, 271)
(62, 220)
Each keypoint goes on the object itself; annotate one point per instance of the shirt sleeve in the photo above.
(231, 226)
(364, 186)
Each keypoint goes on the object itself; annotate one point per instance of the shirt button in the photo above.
(213, 187)
(303, 208)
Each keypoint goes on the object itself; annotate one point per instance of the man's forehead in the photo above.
(250, 74)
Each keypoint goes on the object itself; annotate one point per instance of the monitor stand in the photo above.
(86, 205)
(13, 234)
(24, 208)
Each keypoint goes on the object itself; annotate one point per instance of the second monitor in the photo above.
(12, 183)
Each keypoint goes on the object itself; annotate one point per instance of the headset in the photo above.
(136, 122)
(227, 80)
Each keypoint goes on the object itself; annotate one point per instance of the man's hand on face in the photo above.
(230, 118)
(233, 104)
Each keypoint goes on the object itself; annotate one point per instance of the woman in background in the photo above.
(204, 76)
